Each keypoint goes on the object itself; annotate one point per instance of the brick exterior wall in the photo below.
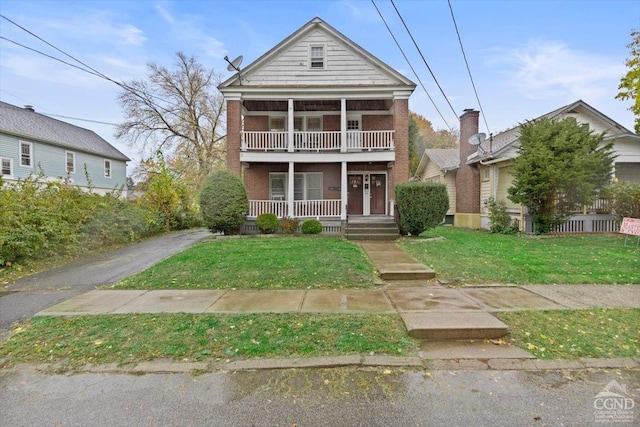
(331, 123)
(256, 177)
(234, 121)
(256, 123)
(468, 176)
(401, 126)
(377, 122)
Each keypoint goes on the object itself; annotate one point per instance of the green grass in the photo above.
(261, 263)
(122, 339)
(569, 334)
(469, 256)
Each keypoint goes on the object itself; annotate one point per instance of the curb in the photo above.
(362, 361)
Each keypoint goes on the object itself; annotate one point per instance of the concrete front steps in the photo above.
(448, 325)
(372, 229)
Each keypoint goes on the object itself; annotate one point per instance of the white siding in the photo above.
(343, 66)
(486, 189)
(450, 182)
(431, 172)
(504, 182)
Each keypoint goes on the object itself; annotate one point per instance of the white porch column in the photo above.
(343, 192)
(343, 125)
(290, 127)
(290, 189)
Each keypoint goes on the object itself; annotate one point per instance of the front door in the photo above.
(354, 195)
(378, 194)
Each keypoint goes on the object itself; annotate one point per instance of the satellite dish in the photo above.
(477, 138)
(235, 64)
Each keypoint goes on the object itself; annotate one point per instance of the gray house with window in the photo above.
(32, 144)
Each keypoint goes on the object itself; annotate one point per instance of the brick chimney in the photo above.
(468, 176)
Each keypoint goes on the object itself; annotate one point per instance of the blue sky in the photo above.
(527, 57)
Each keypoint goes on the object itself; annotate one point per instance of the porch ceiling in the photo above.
(319, 105)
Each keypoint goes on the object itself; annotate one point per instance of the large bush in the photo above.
(421, 206)
(625, 200)
(43, 219)
(223, 202)
(267, 223)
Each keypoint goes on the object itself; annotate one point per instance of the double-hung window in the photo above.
(7, 169)
(70, 158)
(316, 57)
(107, 168)
(26, 154)
(306, 186)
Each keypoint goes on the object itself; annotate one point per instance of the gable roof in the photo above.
(314, 25)
(501, 142)
(25, 123)
(447, 159)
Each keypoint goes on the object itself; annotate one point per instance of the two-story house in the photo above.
(317, 127)
(32, 144)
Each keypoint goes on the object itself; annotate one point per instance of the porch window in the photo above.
(316, 57)
(6, 166)
(277, 124)
(306, 186)
(26, 154)
(485, 174)
(278, 186)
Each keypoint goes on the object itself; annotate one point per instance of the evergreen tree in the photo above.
(561, 165)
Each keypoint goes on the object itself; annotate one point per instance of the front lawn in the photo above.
(76, 341)
(261, 263)
(476, 257)
(569, 334)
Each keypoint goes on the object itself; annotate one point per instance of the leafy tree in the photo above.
(560, 166)
(179, 112)
(223, 202)
(422, 135)
(167, 196)
(630, 83)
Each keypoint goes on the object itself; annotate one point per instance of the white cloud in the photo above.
(547, 69)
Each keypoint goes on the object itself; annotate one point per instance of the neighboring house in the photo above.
(318, 127)
(440, 165)
(32, 144)
(487, 169)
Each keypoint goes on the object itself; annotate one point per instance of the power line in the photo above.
(89, 69)
(409, 63)
(455, 24)
(423, 59)
(50, 56)
(82, 120)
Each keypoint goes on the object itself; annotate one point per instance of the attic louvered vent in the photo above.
(317, 57)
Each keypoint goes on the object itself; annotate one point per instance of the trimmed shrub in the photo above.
(311, 226)
(421, 206)
(223, 202)
(499, 219)
(267, 223)
(289, 225)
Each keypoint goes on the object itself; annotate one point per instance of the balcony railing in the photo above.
(301, 208)
(318, 141)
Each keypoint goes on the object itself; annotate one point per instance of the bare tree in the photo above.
(178, 112)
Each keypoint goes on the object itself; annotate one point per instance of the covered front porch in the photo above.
(323, 191)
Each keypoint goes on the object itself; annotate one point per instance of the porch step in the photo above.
(379, 230)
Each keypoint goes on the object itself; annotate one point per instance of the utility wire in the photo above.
(88, 68)
(409, 63)
(51, 57)
(78, 118)
(455, 24)
(423, 59)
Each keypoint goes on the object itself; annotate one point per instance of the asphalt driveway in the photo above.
(25, 297)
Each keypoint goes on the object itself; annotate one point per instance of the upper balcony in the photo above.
(317, 142)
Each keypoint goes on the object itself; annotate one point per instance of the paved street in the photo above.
(311, 397)
(29, 295)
